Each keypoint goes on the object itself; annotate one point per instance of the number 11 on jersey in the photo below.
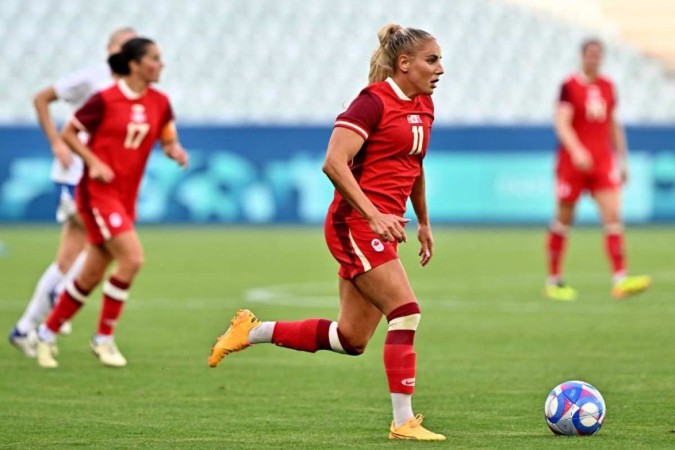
(418, 140)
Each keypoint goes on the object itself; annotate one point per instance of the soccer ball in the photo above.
(575, 408)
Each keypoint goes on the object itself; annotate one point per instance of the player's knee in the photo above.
(353, 344)
(405, 318)
(613, 227)
(88, 280)
(132, 264)
(356, 348)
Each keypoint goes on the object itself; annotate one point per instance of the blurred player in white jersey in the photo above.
(75, 89)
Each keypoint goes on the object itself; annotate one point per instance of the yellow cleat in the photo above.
(235, 338)
(560, 292)
(413, 430)
(631, 285)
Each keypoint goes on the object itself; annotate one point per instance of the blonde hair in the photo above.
(115, 36)
(395, 40)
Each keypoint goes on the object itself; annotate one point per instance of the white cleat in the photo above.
(46, 355)
(66, 328)
(108, 353)
(25, 343)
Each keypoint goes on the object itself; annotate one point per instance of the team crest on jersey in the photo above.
(596, 106)
(414, 118)
(115, 220)
(377, 245)
(138, 114)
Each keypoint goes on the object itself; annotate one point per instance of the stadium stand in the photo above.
(299, 62)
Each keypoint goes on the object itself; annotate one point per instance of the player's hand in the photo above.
(62, 153)
(176, 152)
(582, 160)
(100, 171)
(389, 227)
(427, 244)
(623, 173)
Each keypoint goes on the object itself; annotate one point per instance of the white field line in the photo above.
(445, 296)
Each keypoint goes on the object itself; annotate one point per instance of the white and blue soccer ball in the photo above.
(575, 408)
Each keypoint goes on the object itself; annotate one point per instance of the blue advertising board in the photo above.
(273, 175)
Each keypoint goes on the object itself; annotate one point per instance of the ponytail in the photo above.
(395, 40)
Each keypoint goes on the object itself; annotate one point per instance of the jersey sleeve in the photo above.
(74, 87)
(363, 115)
(168, 115)
(89, 116)
(565, 94)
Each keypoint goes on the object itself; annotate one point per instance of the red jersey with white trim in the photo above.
(396, 130)
(593, 106)
(123, 129)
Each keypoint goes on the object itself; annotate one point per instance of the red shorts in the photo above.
(105, 219)
(571, 182)
(355, 246)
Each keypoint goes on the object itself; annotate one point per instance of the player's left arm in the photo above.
(620, 147)
(172, 146)
(418, 198)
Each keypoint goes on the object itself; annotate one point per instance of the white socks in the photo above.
(262, 334)
(73, 272)
(40, 304)
(103, 339)
(52, 280)
(402, 407)
(46, 335)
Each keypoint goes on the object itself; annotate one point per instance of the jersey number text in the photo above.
(418, 140)
(135, 134)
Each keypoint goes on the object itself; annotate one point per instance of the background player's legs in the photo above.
(127, 251)
(75, 294)
(73, 241)
(557, 239)
(69, 259)
(609, 204)
(70, 301)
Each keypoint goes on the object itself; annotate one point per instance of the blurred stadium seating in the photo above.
(300, 62)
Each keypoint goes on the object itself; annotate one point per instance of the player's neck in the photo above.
(404, 88)
(137, 86)
(589, 76)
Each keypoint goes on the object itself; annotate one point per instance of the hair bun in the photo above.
(119, 64)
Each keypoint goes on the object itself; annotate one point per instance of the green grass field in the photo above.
(489, 346)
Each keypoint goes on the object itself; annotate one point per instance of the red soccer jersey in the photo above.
(123, 128)
(593, 107)
(396, 130)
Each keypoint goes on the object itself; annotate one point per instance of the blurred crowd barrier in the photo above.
(266, 175)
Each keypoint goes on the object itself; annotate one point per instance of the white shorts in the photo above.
(66, 207)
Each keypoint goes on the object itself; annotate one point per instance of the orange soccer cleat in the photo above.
(413, 430)
(235, 338)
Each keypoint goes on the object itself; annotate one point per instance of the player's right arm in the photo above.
(343, 145)
(88, 118)
(98, 170)
(41, 102)
(566, 134)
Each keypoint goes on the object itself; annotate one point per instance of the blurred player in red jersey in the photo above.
(74, 89)
(592, 157)
(374, 159)
(123, 122)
